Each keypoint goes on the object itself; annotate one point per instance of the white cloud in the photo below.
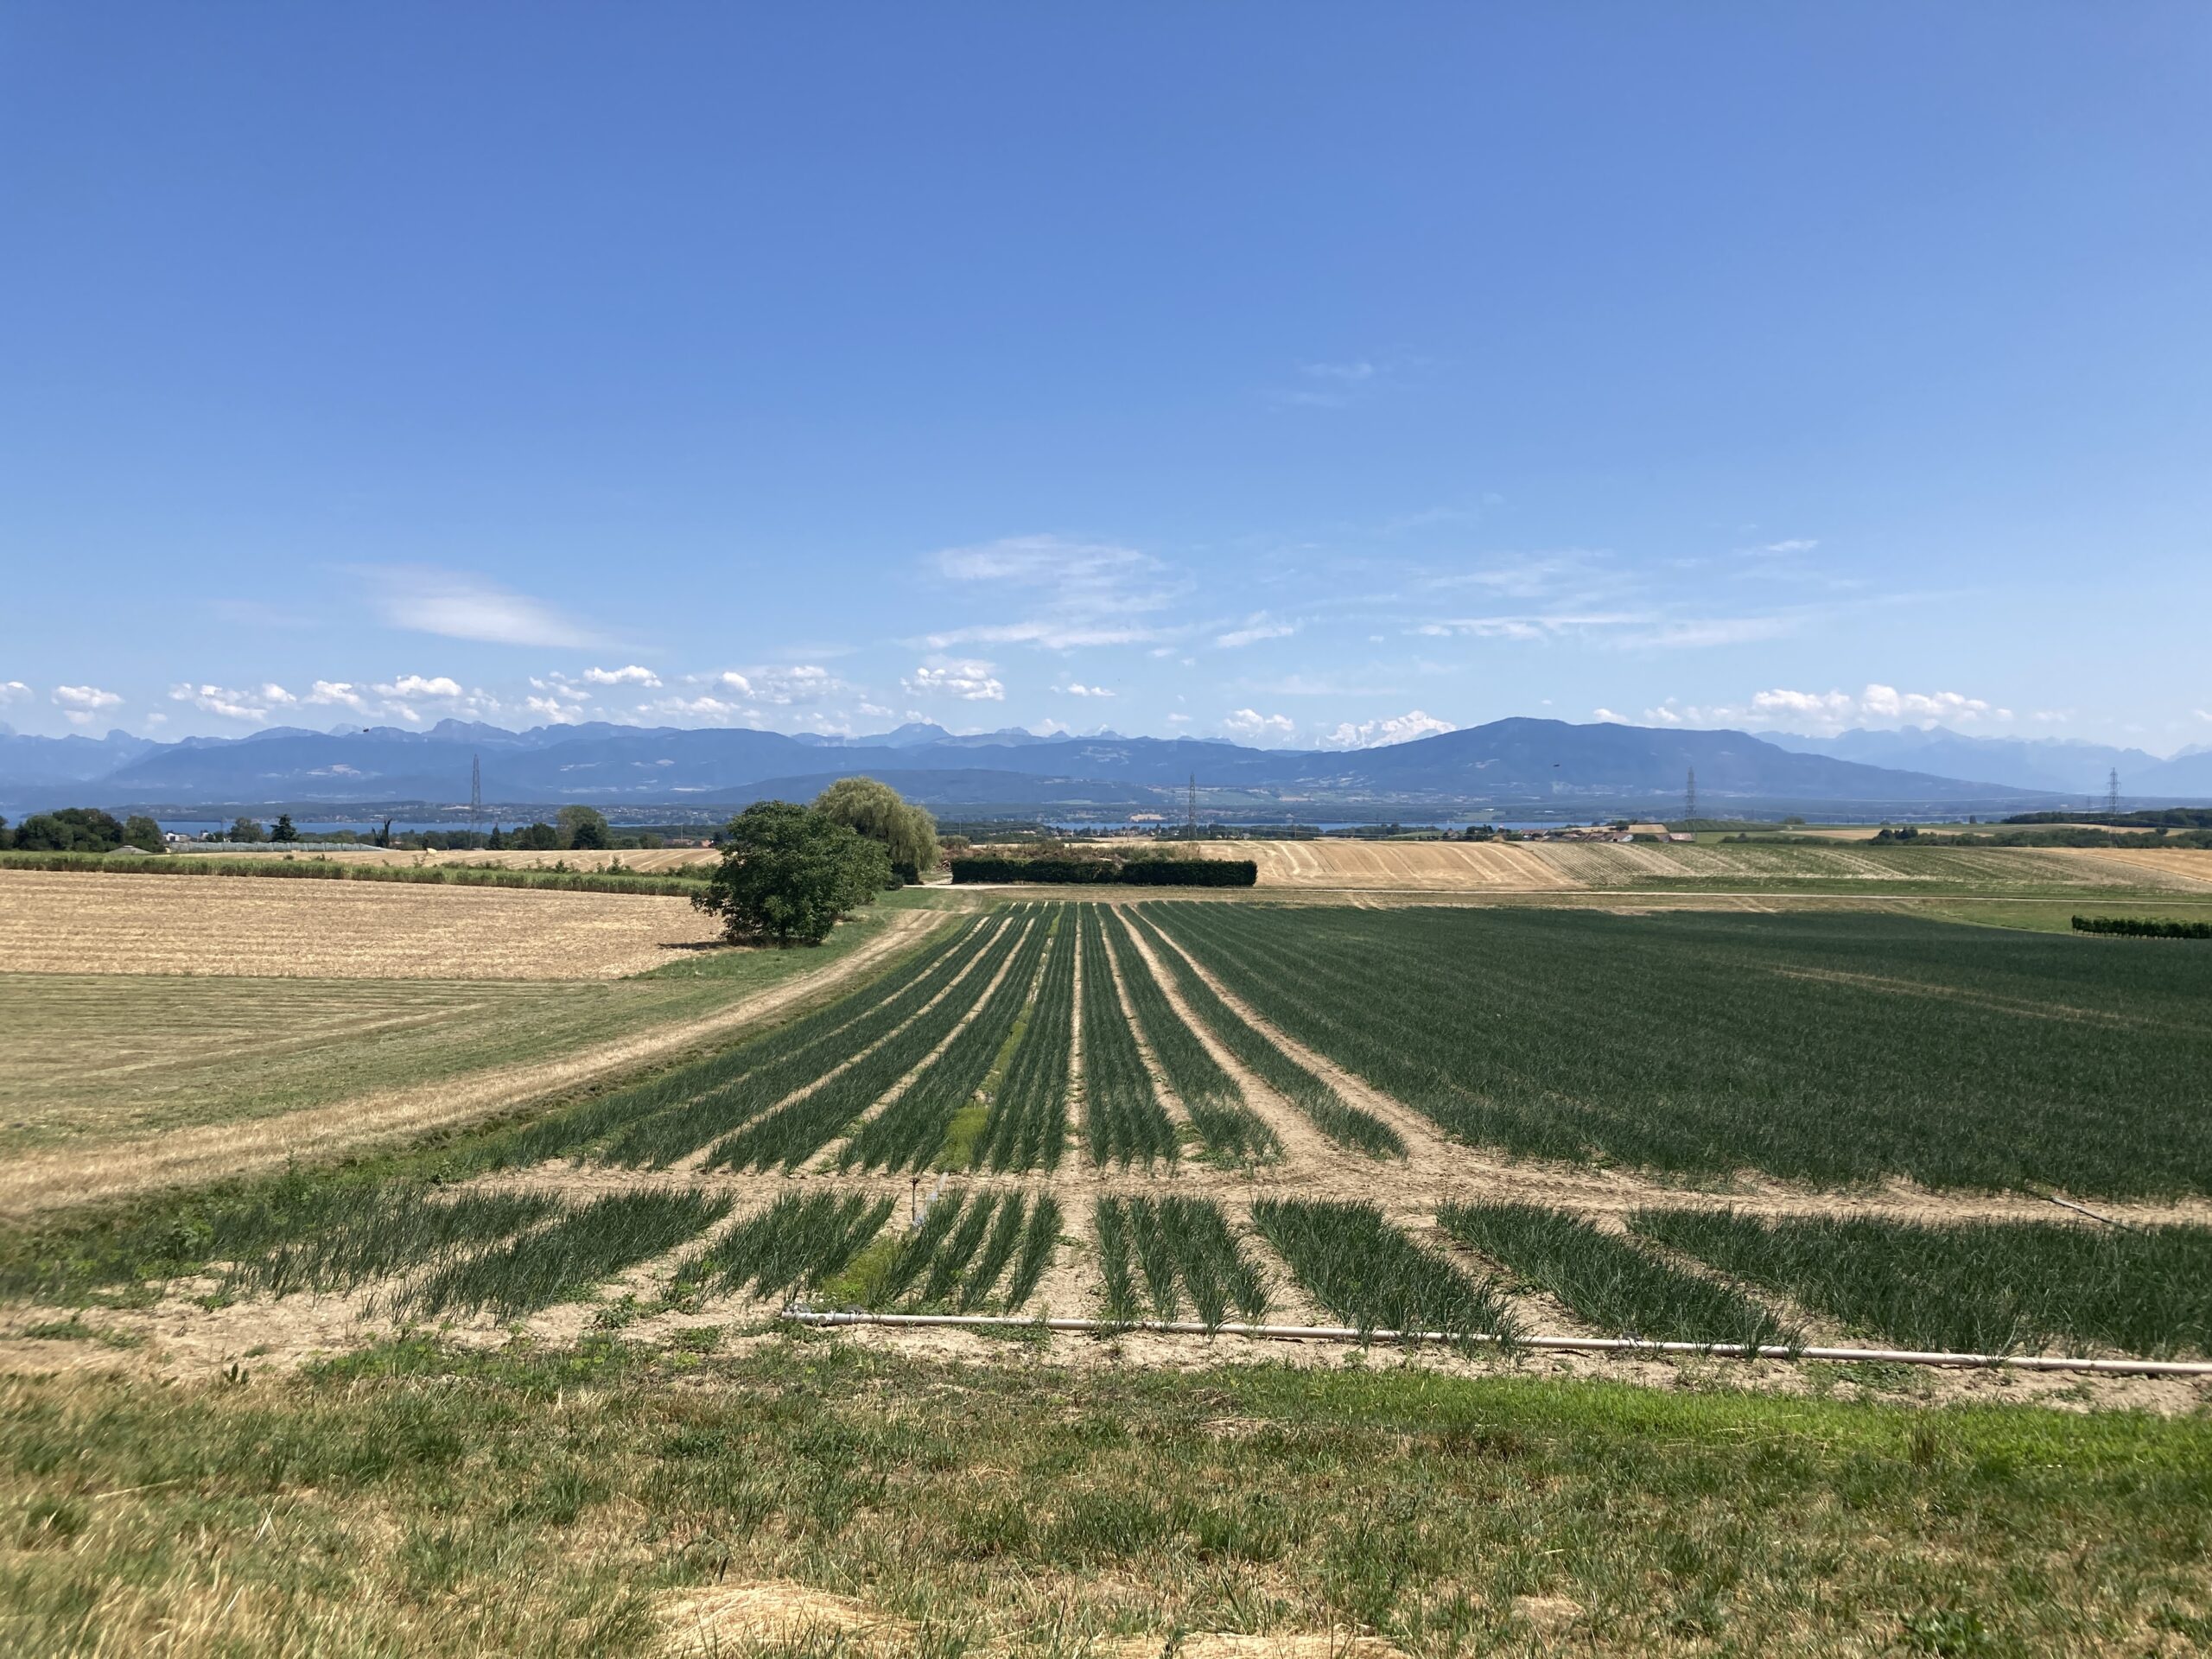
(1381, 733)
(342, 693)
(411, 687)
(1077, 688)
(13, 690)
(1255, 727)
(554, 711)
(459, 607)
(633, 675)
(1178, 720)
(1785, 547)
(1607, 717)
(256, 704)
(1824, 713)
(967, 678)
(80, 704)
(1257, 628)
(1086, 592)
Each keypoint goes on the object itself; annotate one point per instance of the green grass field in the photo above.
(609, 1498)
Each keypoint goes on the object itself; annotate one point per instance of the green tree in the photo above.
(283, 831)
(142, 832)
(537, 838)
(246, 829)
(497, 842)
(584, 827)
(907, 833)
(72, 829)
(789, 873)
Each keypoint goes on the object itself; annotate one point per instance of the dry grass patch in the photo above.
(53, 922)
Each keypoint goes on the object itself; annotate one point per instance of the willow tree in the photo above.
(905, 832)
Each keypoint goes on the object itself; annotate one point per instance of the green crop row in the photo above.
(967, 1246)
(911, 1130)
(1210, 1095)
(1370, 1275)
(1982, 1288)
(1122, 1120)
(796, 1130)
(809, 1049)
(396, 1228)
(1327, 1109)
(1607, 1282)
(1184, 1249)
(801, 1239)
(1834, 1048)
(675, 1092)
(570, 1258)
(1026, 1128)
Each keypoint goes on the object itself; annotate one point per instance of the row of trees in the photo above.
(81, 830)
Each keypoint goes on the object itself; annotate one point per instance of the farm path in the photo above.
(36, 1183)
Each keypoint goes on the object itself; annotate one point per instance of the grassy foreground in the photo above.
(414, 1501)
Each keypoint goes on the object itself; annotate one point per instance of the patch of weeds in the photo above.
(697, 1338)
(961, 1135)
(619, 1313)
(48, 1522)
(861, 1281)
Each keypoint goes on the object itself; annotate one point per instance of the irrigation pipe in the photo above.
(1580, 1345)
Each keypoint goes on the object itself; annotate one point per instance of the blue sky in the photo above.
(1312, 375)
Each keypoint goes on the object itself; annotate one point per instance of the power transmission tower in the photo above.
(2112, 792)
(1689, 795)
(1191, 811)
(476, 795)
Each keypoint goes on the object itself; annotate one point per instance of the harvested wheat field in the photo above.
(1399, 866)
(2171, 867)
(67, 922)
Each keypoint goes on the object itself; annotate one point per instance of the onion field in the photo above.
(1830, 1049)
(1229, 1113)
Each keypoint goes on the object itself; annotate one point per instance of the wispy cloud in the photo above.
(633, 675)
(459, 606)
(1338, 383)
(1258, 626)
(1077, 688)
(13, 690)
(1079, 593)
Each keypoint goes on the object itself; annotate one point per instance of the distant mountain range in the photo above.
(1508, 768)
(2059, 765)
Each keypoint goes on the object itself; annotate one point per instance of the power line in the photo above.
(1689, 795)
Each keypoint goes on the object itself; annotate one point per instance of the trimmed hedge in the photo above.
(1101, 872)
(2137, 927)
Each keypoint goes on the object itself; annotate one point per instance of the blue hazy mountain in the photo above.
(1529, 762)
